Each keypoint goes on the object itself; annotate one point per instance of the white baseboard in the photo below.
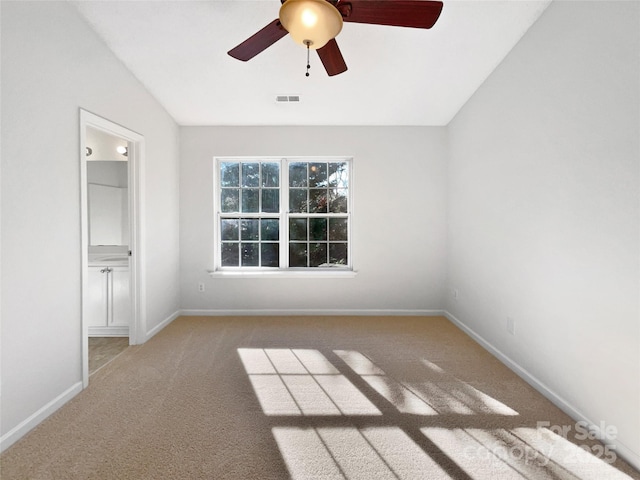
(109, 331)
(32, 421)
(622, 450)
(310, 312)
(162, 324)
(19, 431)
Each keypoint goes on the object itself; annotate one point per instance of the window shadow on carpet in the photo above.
(336, 414)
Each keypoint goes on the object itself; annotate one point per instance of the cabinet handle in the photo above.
(105, 270)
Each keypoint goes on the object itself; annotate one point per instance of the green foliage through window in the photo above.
(260, 224)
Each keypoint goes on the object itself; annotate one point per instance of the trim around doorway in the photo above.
(136, 159)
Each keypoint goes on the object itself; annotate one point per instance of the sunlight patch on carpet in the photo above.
(425, 398)
(309, 396)
(284, 361)
(346, 396)
(352, 453)
(304, 383)
(315, 362)
(359, 363)
(400, 396)
(587, 461)
(273, 395)
(521, 453)
(255, 361)
(305, 454)
(301, 382)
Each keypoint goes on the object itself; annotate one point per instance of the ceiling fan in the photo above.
(316, 23)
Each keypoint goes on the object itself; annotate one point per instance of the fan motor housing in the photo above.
(311, 23)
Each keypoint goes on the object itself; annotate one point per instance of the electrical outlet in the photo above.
(511, 326)
(201, 287)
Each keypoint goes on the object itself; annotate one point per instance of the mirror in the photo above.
(108, 192)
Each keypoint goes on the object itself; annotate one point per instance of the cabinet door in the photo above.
(96, 308)
(120, 297)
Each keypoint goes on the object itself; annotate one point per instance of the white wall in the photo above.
(544, 197)
(398, 230)
(53, 64)
(108, 172)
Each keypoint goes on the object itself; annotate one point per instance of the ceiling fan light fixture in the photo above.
(311, 23)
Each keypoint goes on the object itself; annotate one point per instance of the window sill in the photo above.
(284, 274)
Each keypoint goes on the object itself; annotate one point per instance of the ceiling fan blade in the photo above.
(259, 41)
(332, 58)
(398, 13)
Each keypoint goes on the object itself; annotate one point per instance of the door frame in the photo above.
(136, 164)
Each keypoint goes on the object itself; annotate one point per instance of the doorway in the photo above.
(111, 173)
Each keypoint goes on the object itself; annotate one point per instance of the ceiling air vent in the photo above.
(287, 98)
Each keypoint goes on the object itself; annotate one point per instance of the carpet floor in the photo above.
(309, 398)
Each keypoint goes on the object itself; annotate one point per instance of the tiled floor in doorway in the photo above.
(104, 349)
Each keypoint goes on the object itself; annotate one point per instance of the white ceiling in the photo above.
(397, 76)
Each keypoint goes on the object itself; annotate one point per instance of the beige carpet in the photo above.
(306, 398)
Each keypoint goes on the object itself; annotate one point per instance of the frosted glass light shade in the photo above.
(312, 22)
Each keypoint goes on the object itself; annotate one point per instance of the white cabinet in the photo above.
(108, 307)
(120, 298)
(96, 308)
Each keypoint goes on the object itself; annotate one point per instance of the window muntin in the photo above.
(255, 229)
(249, 187)
(249, 221)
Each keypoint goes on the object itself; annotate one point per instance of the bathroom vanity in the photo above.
(107, 297)
(108, 301)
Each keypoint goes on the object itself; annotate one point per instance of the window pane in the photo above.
(270, 229)
(250, 174)
(317, 229)
(316, 214)
(298, 201)
(230, 256)
(249, 229)
(230, 200)
(298, 229)
(250, 199)
(339, 175)
(318, 201)
(297, 254)
(338, 253)
(230, 174)
(270, 175)
(317, 254)
(270, 255)
(298, 174)
(250, 254)
(229, 230)
(271, 200)
(317, 174)
(338, 199)
(338, 229)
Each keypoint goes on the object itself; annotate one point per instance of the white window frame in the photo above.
(283, 270)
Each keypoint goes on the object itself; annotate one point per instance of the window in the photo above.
(282, 214)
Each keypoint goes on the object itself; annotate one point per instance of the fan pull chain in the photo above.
(308, 43)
